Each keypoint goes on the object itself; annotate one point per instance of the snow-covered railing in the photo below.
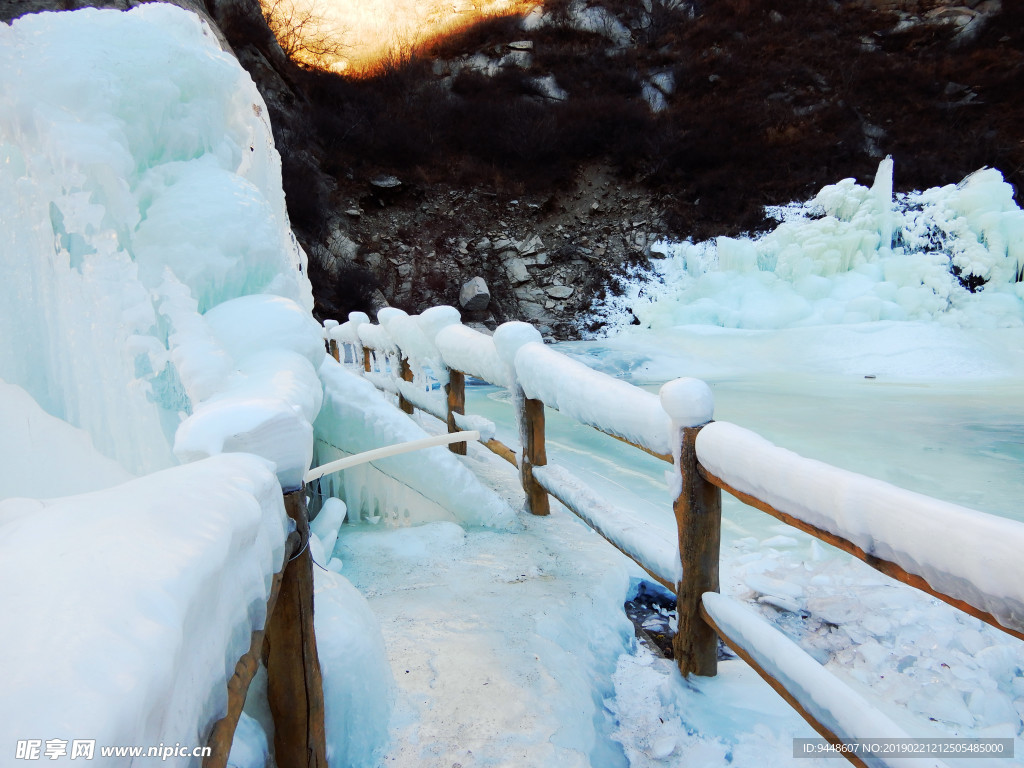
(590, 397)
(287, 643)
(963, 557)
(400, 371)
(537, 377)
(966, 558)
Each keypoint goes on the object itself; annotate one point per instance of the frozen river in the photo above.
(956, 438)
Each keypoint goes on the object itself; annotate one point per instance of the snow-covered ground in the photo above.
(154, 312)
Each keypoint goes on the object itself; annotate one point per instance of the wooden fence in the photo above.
(703, 615)
(287, 646)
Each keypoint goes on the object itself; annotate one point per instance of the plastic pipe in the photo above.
(390, 450)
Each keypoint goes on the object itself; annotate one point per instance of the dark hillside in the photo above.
(605, 126)
(769, 101)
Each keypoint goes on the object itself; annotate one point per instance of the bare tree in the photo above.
(305, 34)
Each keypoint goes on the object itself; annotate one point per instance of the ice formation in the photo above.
(129, 605)
(355, 418)
(359, 690)
(153, 297)
(854, 254)
(34, 443)
(137, 198)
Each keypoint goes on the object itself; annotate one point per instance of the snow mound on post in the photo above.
(688, 402)
(133, 604)
(467, 350)
(356, 418)
(968, 555)
(376, 338)
(434, 319)
(348, 332)
(509, 337)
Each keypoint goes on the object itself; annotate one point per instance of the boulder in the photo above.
(530, 245)
(560, 291)
(342, 247)
(474, 295)
(385, 181)
(517, 272)
(534, 312)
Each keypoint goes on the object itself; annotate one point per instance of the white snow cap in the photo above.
(592, 397)
(509, 337)
(376, 337)
(688, 401)
(386, 314)
(268, 427)
(434, 319)
(467, 350)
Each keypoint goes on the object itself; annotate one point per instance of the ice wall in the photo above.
(129, 607)
(952, 255)
(44, 456)
(139, 188)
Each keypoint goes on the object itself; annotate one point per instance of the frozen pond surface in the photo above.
(961, 443)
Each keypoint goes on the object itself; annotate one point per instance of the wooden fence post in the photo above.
(223, 733)
(405, 374)
(294, 684)
(335, 351)
(698, 510)
(455, 389)
(531, 435)
(367, 360)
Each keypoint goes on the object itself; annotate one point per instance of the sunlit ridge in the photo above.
(377, 32)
